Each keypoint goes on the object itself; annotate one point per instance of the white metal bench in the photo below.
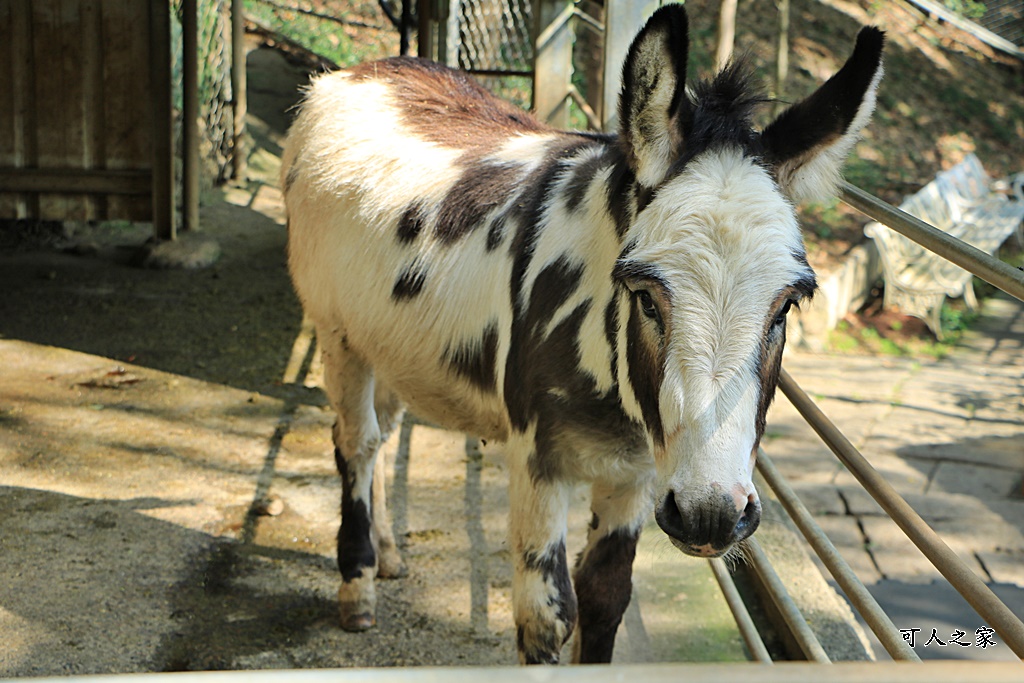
(961, 202)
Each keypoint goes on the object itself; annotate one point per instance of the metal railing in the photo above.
(977, 594)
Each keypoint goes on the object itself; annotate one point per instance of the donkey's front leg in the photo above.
(604, 569)
(544, 605)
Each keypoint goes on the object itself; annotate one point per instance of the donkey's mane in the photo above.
(719, 112)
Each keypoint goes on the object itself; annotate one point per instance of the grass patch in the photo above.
(890, 333)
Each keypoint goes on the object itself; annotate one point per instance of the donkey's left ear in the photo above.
(808, 143)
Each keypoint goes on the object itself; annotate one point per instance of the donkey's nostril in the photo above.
(668, 516)
(749, 520)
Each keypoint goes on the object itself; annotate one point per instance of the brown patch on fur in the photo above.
(448, 107)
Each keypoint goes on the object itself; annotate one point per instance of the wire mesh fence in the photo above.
(216, 125)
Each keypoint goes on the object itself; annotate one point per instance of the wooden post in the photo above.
(239, 159)
(160, 84)
(552, 61)
(190, 115)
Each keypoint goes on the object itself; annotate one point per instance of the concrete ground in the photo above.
(169, 500)
(949, 436)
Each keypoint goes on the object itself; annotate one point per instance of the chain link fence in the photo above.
(493, 36)
(216, 115)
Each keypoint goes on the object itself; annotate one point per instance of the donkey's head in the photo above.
(714, 260)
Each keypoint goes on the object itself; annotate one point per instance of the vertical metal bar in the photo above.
(405, 27)
(862, 600)
(162, 132)
(988, 268)
(981, 598)
(239, 161)
(739, 612)
(190, 115)
(425, 33)
(801, 630)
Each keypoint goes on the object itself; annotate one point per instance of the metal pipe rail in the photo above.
(973, 589)
(739, 612)
(791, 614)
(862, 600)
(988, 268)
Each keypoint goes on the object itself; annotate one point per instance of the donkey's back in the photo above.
(396, 173)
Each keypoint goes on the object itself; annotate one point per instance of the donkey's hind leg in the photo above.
(389, 416)
(350, 387)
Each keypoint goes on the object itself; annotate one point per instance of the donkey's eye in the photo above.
(780, 318)
(647, 305)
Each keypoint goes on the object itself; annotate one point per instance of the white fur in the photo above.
(725, 241)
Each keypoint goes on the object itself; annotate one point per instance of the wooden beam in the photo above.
(160, 98)
(239, 160)
(190, 115)
(75, 180)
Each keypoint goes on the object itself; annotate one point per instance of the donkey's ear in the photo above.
(654, 93)
(808, 143)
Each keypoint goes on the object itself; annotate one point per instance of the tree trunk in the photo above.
(726, 31)
(781, 54)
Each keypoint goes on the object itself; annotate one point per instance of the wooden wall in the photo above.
(85, 110)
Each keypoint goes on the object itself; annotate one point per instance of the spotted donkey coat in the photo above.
(611, 307)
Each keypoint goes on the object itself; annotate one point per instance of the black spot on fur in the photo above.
(552, 287)
(620, 193)
(411, 224)
(581, 179)
(646, 370)
(355, 547)
(476, 361)
(496, 231)
(528, 207)
(604, 582)
(552, 565)
(409, 283)
(611, 333)
(544, 383)
(481, 188)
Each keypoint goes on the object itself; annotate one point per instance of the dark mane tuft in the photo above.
(721, 112)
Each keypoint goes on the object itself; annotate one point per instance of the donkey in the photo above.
(612, 307)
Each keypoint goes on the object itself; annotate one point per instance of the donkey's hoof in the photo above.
(354, 623)
(390, 565)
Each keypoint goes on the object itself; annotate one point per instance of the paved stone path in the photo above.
(949, 436)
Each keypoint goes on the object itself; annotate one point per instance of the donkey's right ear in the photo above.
(654, 95)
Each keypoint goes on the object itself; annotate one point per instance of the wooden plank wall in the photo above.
(77, 132)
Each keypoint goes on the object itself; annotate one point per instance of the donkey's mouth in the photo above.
(708, 528)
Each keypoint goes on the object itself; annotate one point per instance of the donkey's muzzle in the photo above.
(707, 527)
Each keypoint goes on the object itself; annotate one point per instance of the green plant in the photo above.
(972, 9)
